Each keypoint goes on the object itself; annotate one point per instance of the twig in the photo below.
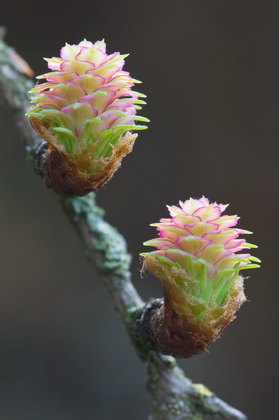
(174, 396)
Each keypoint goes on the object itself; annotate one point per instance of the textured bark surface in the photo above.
(174, 397)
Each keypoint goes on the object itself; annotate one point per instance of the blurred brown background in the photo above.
(210, 70)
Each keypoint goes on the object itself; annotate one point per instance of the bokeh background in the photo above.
(209, 69)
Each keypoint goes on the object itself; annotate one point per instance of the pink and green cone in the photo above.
(198, 258)
(86, 107)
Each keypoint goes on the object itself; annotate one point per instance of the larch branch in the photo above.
(174, 396)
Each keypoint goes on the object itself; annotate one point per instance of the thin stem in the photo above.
(174, 396)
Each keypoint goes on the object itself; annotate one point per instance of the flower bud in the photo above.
(198, 262)
(85, 111)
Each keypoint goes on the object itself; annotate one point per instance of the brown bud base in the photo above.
(170, 326)
(68, 174)
(169, 333)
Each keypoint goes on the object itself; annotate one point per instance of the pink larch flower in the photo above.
(84, 111)
(198, 258)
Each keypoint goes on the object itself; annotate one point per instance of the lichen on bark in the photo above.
(107, 240)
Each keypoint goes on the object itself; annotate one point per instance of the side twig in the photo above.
(174, 396)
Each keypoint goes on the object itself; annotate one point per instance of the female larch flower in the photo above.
(198, 258)
(85, 111)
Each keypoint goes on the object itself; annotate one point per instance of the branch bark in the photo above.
(174, 397)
